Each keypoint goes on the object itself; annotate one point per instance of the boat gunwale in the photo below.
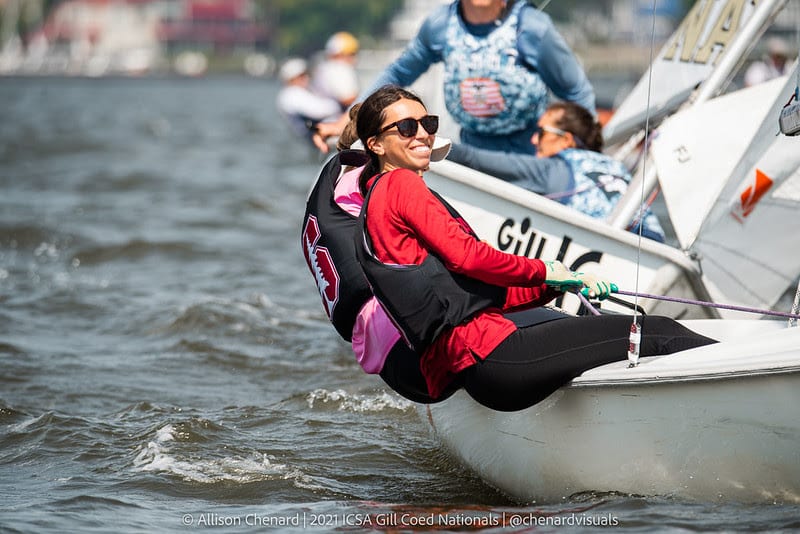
(524, 198)
(698, 377)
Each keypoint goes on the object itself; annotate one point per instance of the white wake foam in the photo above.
(358, 403)
(160, 455)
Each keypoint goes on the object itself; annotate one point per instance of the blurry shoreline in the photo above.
(610, 57)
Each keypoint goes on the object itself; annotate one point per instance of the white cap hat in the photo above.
(777, 46)
(292, 68)
(440, 149)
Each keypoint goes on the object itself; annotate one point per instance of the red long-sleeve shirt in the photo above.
(405, 221)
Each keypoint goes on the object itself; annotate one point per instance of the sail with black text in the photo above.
(703, 52)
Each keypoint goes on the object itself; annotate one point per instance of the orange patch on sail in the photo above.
(751, 195)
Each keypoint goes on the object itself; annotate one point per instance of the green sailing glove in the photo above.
(560, 278)
(594, 287)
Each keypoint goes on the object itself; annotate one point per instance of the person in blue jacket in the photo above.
(501, 59)
(568, 167)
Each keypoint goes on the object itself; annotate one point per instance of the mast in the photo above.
(745, 39)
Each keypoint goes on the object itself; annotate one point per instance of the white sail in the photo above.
(712, 38)
(697, 150)
(731, 182)
(749, 243)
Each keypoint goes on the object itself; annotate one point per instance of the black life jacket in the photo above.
(328, 246)
(423, 300)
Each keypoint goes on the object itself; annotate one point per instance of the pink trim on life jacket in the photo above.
(346, 193)
(374, 334)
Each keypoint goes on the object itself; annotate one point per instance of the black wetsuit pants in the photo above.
(536, 360)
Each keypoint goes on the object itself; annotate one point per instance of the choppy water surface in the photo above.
(166, 361)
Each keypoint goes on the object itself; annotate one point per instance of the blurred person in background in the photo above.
(298, 104)
(501, 59)
(569, 166)
(335, 76)
(774, 64)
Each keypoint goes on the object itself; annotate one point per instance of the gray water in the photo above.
(166, 363)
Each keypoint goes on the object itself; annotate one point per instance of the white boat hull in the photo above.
(715, 423)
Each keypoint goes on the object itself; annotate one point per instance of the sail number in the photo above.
(705, 29)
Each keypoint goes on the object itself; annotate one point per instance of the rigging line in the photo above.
(753, 260)
(576, 190)
(796, 94)
(643, 210)
(586, 303)
(635, 334)
(544, 5)
(796, 59)
(732, 307)
(710, 258)
(795, 306)
(646, 142)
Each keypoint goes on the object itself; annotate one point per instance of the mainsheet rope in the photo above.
(792, 315)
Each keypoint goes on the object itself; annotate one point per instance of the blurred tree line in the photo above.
(298, 27)
(564, 10)
(302, 26)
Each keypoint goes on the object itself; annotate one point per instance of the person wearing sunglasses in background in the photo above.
(447, 291)
(501, 58)
(569, 166)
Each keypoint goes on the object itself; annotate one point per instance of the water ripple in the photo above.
(37, 238)
(137, 249)
(163, 454)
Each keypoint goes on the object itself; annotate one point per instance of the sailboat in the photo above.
(714, 423)
(697, 61)
(718, 422)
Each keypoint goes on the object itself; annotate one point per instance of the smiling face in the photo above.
(396, 151)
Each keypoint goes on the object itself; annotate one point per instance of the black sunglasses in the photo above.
(409, 127)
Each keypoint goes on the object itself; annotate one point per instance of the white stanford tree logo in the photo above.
(321, 264)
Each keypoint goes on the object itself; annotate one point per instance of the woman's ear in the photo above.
(570, 139)
(375, 146)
